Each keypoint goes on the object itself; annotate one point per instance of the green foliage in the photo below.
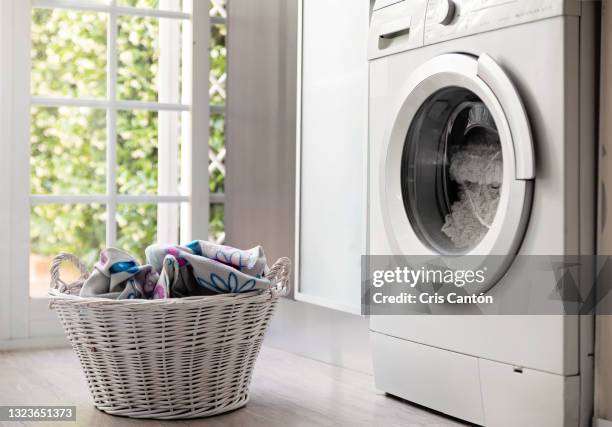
(140, 3)
(216, 144)
(78, 229)
(218, 55)
(152, 4)
(136, 228)
(68, 148)
(137, 59)
(69, 144)
(216, 219)
(69, 53)
(137, 152)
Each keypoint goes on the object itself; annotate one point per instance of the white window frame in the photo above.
(26, 321)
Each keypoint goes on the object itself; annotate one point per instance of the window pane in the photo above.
(77, 228)
(136, 228)
(148, 70)
(218, 55)
(216, 168)
(68, 150)
(216, 225)
(137, 152)
(141, 225)
(174, 5)
(148, 152)
(68, 53)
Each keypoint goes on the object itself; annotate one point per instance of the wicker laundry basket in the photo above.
(168, 359)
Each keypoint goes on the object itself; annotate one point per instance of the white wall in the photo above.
(323, 334)
(260, 190)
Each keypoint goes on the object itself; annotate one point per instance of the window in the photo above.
(110, 99)
(126, 140)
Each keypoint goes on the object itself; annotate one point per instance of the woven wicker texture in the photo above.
(72, 288)
(174, 358)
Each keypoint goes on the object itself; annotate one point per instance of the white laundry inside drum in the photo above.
(451, 171)
(476, 166)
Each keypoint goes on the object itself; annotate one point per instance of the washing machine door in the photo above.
(458, 170)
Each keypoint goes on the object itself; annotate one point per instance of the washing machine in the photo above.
(518, 77)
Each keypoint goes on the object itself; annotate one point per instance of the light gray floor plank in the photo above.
(287, 391)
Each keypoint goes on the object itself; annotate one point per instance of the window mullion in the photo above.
(104, 104)
(168, 132)
(42, 199)
(195, 126)
(111, 130)
(94, 6)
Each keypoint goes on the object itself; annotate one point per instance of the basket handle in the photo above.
(57, 282)
(279, 276)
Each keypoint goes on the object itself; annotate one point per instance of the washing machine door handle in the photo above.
(514, 110)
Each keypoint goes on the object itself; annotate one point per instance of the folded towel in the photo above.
(198, 268)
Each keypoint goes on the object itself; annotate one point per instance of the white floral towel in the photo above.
(201, 268)
(198, 268)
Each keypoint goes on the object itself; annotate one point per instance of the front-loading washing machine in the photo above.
(519, 79)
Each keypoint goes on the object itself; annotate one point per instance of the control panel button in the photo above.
(445, 11)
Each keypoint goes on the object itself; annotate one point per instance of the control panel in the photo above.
(400, 25)
(450, 19)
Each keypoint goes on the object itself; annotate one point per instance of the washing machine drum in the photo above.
(458, 173)
(452, 171)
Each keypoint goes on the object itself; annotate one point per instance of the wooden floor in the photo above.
(287, 390)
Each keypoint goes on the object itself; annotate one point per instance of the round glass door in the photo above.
(452, 171)
(457, 173)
